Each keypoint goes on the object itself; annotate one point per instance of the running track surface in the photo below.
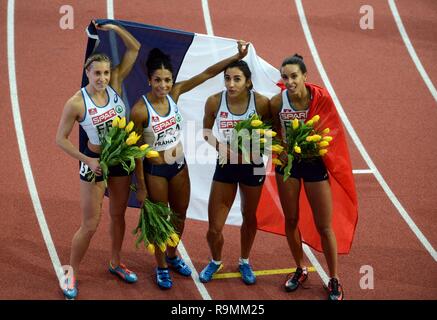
(378, 85)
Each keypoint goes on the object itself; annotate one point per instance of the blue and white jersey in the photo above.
(98, 120)
(225, 120)
(163, 132)
(288, 113)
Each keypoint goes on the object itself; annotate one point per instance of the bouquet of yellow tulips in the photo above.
(156, 227)
(304, 142)
(118, 146)
(256, 135)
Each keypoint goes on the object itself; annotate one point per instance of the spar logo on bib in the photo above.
(119, 109)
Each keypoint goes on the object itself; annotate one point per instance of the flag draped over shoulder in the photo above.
(337, 161)
(190, 54)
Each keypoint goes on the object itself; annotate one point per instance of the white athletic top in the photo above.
(225, 120)
(98, 120)
(163, 132)
(288, 113)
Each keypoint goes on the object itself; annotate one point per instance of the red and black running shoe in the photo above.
(296, 279)
(335, 290)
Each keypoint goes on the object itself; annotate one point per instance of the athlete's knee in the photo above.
(291, 223)
(249, 220)
(213, 234)
(89, 227)
(117, 216)
(325, 231)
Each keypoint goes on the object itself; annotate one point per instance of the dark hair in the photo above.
(99, 57)
(295, 59)
(157, 60)
(244, 67)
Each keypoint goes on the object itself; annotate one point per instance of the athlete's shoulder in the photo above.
(260, 97)
(76, 101)
(318, 91)
(215, 98)
(276, 100)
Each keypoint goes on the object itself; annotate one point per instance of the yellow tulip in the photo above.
(297, 149)
(175, 238)
(295, 124)
(122, 123)
(260, 131)
(115, 121)
(256, 123)
(309, 122)
(151, 248)
(133, 138)
(322, 152)
(170, 243)
(277, 162)
(162, 247)
(309, 138)
(129, 127)
(323, 144)
(326, 131)
(263, 140)
(277, 148)
(144, 147)
(317, 137)
(130, 141)
(152, 154)
(315, 118)
(270, 133)
(327, 138)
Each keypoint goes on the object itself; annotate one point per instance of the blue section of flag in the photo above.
(174, 43)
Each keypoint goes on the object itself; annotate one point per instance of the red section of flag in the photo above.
(345, 205)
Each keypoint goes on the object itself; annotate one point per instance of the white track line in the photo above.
(411, 50)
(355, 137)
(22, 144)
(362, 171)
(200, 286)
(110, 9)
(207, 17)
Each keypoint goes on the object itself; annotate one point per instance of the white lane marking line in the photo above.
(355, 137)
(207, 18)
(200, 286)
(110, 9)
(22, 144)
(362, 171)
(410, 48)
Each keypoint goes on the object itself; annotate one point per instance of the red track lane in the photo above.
(377, 95)
(420, 23)
(24, 260)
(49, 64)
(371, 197)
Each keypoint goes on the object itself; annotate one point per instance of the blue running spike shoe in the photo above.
(247, 273)
(123, 273)
(70, 288)
(179, 265)
(163, 278)
(207, 273)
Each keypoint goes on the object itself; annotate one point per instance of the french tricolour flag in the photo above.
(190, 54)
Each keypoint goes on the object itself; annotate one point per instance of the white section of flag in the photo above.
(203, 52)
